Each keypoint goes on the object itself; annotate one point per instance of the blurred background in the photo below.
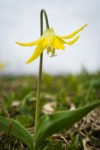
(19, 21)
(70, 80)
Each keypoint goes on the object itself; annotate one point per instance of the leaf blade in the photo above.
(53, 123)
(16, 130)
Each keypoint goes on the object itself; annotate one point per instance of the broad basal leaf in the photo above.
(53, 123)
(16, 129)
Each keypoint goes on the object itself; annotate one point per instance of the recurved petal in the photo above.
(30, 43)
(60, 39)
(73, 41)
(39, 49)
(57, 44)
(74, 33)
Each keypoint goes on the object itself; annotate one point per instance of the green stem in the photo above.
(40, 69)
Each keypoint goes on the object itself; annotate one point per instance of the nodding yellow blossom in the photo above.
(1, 66)
(50, 41)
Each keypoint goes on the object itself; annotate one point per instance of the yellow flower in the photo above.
(1, 66)
(50, 41)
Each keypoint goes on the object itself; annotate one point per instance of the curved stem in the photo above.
(40, 69)
(41, 19)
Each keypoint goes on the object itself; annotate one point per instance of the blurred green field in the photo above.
(18, 97)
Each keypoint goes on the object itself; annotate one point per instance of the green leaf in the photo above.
(14, 128)
(53, 123)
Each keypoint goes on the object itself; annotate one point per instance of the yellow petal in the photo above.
(30, 43)
(61, 40)
(74, 33)
(73, 41)
(57, 44)
(39, 49)
(45, 42)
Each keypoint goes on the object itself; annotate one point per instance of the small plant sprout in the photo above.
(48, 124)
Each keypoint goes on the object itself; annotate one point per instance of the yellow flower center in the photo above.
(49, 38)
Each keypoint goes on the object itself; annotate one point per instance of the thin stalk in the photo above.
(40, 69)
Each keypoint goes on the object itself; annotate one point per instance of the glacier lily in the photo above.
(1, 66)
(50, 41)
